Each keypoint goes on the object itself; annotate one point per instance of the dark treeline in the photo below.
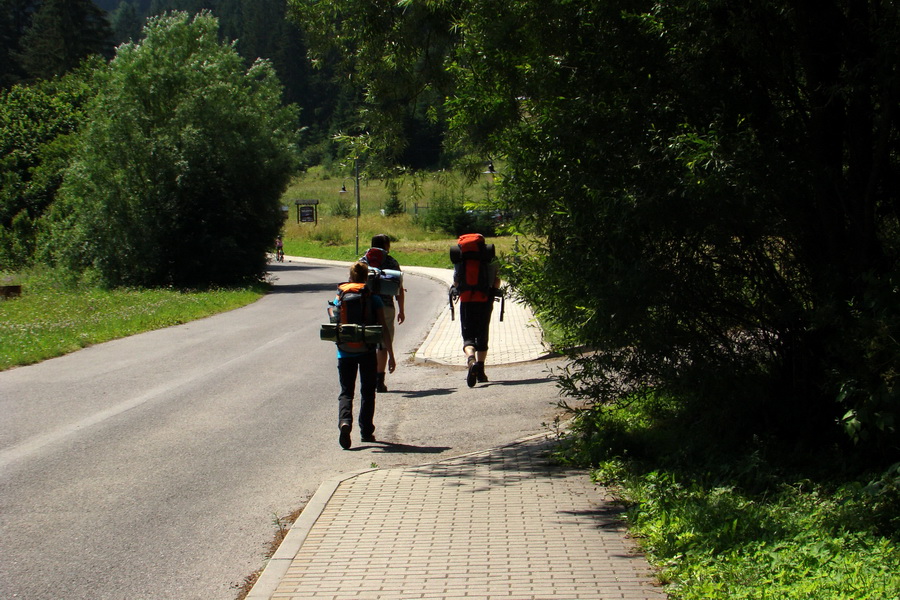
(40, 39)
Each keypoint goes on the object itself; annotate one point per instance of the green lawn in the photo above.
(50, 320)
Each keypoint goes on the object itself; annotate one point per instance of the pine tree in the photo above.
(126, 23)
(15, 16)
(61, 35)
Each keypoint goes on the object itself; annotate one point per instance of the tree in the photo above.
(37, 123)
(63, 33)
(125, 22)
(178, 177)
(391, 55)
(713, 185)
(15, 15)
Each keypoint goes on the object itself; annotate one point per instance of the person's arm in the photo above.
(401, 301)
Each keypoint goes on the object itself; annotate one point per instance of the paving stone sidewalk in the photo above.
(503, 524)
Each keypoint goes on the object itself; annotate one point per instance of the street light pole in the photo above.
(356, 168)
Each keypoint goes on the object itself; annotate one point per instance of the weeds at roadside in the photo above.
(282, 528)
(740, 526)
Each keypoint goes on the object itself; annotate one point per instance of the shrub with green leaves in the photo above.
(725, 525)
(36, 123)
(177, 179)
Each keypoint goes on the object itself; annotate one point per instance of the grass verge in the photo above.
(748, 526)
(51, 319)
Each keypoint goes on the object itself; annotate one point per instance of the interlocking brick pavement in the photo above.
(502, 524)
(515, 339)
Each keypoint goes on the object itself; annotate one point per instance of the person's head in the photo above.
(382, 241)
(359, 272)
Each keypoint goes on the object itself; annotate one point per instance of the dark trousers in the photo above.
(367, 366)
(475, 322)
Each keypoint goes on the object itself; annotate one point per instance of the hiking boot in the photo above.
(344, 439)
(479, 373)
(472, 375)
(379, 384)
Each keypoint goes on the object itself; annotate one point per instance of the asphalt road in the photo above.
(155, 467)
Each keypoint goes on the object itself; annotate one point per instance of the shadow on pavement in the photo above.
(303, 288)
(391, 448)
(505, 466)
(515, 382)
(424, 393)
(296, 288)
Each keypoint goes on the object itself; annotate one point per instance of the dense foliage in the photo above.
(40, 39)
(176, 180)
(714, 184)
(43, 38)
(754, 525)
(36, 126)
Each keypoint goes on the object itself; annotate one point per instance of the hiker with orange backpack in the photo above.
(356, 311)
(476, 283)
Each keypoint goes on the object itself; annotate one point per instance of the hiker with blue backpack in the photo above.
(358, 327)
(379, 259)
(475, 284)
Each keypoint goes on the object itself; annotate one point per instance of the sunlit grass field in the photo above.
(335, 237)
(50, 319)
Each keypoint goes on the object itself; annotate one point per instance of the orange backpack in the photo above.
(470, 258)
(355, 308)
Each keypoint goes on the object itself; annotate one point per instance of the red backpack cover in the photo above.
(471, 256)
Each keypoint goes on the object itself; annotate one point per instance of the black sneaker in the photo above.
(479, 373)
(472, 375)
(379, 386)
(344, 440)
(368, 437)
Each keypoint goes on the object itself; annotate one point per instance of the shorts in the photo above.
(390, 317)
(475, 321)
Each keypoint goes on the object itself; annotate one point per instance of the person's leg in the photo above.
(483, 327)
(367, 382)
(390, 314)
(468, 313)
(347, 367)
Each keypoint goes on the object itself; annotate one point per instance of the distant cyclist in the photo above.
(279, 249)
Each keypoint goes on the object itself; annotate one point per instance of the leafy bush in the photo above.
(749, 524)
(447, 213)
(177, 179)
(343, 208)
(36, 123)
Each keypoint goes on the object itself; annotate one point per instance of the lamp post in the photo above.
(358, 211)
(492, 172)
(356, 168)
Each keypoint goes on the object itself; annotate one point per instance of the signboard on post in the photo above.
(307, 211)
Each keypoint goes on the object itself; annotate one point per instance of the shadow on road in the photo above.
(515, 382)
(296, 288)
(425, 393)
(391, 447)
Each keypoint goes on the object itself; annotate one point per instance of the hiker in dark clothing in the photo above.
(476, 282)
(383, 260)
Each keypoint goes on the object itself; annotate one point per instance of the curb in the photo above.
(280, 562)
